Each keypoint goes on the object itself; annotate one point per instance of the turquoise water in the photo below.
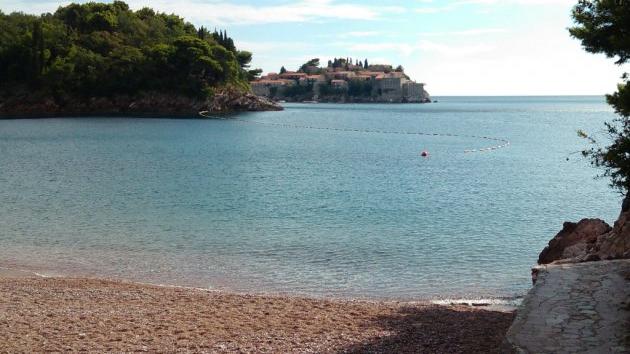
(263, 204)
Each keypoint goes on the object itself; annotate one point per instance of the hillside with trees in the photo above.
(97, 55)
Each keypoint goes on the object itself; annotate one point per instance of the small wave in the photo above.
(505, 303)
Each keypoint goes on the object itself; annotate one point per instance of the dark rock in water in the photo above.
(231, 101)
(573, 240)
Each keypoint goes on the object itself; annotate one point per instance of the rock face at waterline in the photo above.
(148, 104)
(230, 101)
(590, 240)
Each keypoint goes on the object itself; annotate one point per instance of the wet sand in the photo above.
(67, 314)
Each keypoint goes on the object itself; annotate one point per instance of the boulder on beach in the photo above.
(590, 240)
(574, 240)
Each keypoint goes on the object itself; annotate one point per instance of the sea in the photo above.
(319, 200)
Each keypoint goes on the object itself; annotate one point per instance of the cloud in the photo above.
(401, 48)
(519, 2)
(423, 46)
(468, 32)
(224, 12)
(518, 64)
(271, 47)
(486, 3)
(363, 34)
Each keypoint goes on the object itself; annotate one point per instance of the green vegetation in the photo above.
(101, 50)
(331, 91)
(359, 88)
(299, 92)
(603, 26)
(310, 67)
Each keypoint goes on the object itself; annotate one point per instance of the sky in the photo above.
(456, 47)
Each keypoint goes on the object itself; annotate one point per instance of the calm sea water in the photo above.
(245, 205)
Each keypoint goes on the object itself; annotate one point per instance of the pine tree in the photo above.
(604, 27)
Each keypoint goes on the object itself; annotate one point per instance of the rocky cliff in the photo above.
(147, 104)
(590, 240)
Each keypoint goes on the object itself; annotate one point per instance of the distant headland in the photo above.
(106, 59)
(342, 80)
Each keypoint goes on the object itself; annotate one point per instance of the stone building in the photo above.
(414, 92)
(389, 88)
(266, 87)
(386, 85)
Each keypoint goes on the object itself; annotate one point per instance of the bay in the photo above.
(317, 200)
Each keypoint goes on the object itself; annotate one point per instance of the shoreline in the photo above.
(154, 104)
(59, 313)
(498, 303)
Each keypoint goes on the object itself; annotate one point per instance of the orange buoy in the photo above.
(424, 153)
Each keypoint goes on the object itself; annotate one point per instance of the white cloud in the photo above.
(270, 47)
(363, 34)
(544, 61)
(486, 3)
(420, 47)
(224, 12)
(400, 48)
(520, 2)
(468, 32)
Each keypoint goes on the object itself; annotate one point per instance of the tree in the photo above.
(244, 58)
(105, 49)
(310, 66)
(359, 88)
(253, 74)
(365, 65)
(399, 69)
(283, 70)
(37, 49)
(603, 26)
(202, 33)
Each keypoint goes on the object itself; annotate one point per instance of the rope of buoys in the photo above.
(504, 142)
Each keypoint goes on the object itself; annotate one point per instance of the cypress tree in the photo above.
(37, 50)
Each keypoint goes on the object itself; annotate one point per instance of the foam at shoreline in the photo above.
(503, 304)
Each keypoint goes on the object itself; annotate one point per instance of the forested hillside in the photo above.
(105, 50)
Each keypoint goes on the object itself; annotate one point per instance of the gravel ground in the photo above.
(66, 314)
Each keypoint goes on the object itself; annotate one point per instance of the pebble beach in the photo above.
(40, 314)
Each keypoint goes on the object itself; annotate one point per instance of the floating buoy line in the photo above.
(500, 143)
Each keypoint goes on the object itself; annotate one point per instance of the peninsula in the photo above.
(342, 80)
(104, 58)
